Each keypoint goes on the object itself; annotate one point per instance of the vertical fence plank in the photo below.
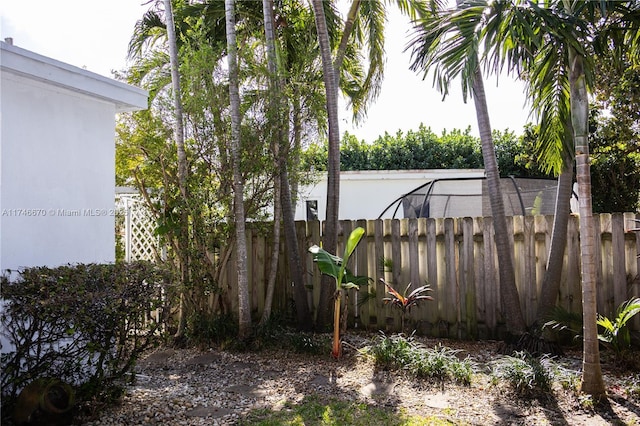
(529, 283)
(480, 280)
(414, 264)
(347, 295)
(360, 268)
(467, 281)
(519, 253)
(313, 230)
(492, 285)
(541, 250)
(634, 290)
(431, 261)
(379, 260)
(441, 295)
(619, 261)
(603, 263)
(570, 285)
(393, 317)
(451, 301)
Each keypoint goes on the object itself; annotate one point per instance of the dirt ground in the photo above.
(195, 387)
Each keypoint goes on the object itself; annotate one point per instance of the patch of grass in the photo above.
(314, 411)
(398, 352)
(526, 375)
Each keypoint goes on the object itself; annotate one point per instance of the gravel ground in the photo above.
(192, 387)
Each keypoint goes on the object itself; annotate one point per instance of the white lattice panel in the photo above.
(140, 242)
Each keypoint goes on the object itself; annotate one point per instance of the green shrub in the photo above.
(392, 352)
(525, 374)
(84, 324)
(401, 353)
(615, 334)
(442, 363)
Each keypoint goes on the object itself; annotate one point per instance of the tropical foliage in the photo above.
(336, 267)
(404, 301)
(615, 333)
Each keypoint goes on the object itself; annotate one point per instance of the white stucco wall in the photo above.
(57, 160)
(365, 194)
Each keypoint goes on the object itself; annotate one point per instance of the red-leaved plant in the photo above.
(403, 301)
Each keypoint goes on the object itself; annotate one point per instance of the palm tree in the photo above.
(330, 238)
(447, 41)
(363, 17)
(283, 203)
(553, 44)
(244, 313)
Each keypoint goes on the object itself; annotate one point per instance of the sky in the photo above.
(94, 34)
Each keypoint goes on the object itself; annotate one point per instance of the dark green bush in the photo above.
(84, 324)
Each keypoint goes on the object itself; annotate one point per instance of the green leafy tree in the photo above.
(615, 135)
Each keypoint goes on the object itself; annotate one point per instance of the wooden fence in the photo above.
(457, 257)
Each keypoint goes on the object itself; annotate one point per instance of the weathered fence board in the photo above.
(457, 258)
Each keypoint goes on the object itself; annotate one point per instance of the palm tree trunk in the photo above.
(267, 7)
(177, 103)
(273, 266)
(244, 314)
(592, 382)
(183, 238)
(348, 29)
(330, 237)
(508, 290)
(553, 272)
(277, 129)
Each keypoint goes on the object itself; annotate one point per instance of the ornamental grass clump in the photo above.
(398, 352)
(442, 363)
(526, 375)
(393, 352)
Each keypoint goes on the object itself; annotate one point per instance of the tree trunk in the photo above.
(244, 313)
(275, 252)
(592, 382)
(278, 125)
(183, 239)
(508, 290)
(267, 7)
(330, 237)
(553, 273)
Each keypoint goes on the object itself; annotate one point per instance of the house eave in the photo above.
(25, 63)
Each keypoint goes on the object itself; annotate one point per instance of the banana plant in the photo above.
(336, 267)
